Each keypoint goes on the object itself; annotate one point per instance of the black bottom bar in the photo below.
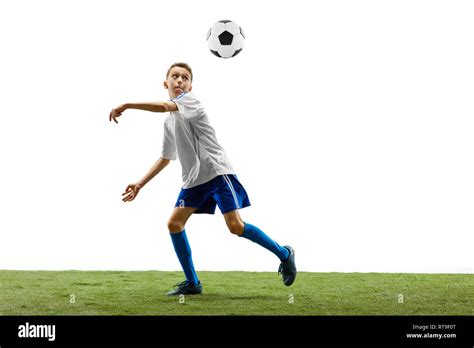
(224, 330)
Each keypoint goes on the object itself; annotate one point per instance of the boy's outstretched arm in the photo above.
(132, 190)
(152, 106)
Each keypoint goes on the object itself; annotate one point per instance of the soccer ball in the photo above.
(225, 39)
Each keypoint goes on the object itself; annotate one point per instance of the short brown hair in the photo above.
(181, 65)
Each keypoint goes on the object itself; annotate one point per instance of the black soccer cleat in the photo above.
(288, 268)
(185, 288)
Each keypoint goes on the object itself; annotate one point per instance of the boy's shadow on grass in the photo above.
(227, 296)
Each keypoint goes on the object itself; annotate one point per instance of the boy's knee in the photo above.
(175, 226)
(236, 227)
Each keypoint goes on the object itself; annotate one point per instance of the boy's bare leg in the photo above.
(179, 217)
(234, 222)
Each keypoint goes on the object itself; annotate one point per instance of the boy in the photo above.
(208, 177)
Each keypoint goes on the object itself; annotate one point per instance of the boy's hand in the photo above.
(131, 192)
(117, 112)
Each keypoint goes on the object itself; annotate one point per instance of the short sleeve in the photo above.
(188, 106)
(169, 143)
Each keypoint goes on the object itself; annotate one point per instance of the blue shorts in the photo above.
(224, 190)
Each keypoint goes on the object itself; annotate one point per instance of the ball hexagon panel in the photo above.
(238, 42)
(232, 28)
(213, 43)
(218, 28)
(226, 51)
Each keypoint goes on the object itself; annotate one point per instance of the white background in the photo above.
(350, 123)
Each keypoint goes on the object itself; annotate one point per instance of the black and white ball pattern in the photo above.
(225, 39)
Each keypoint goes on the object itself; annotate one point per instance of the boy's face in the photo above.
(178, 81)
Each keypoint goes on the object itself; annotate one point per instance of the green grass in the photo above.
(234, 293)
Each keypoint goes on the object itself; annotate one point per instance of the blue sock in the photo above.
(256, 235)
(183, 250)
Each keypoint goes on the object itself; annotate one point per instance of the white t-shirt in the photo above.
(189, 135)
